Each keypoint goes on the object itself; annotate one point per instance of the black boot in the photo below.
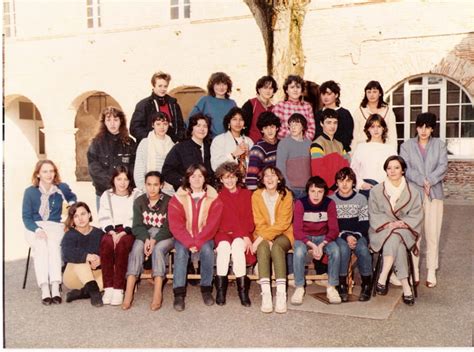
(206, 292)
(221, 289)
(243, 284)
(76, 294)
(365, 288)
(343, 288)
(179, 294)
(92, 289)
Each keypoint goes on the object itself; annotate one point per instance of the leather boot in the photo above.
(76, 294)
(243, 285)
(221, 289)
(365, 289)
(343, 289)
(179, 294)
(206, 292)
(92, 289)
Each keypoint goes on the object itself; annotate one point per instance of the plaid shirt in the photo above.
(285, 109)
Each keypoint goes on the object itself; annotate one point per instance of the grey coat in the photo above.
(433, 168)
(408, 208)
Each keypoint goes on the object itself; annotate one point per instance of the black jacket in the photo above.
(104, 155)
(183, 155)
(140, 125)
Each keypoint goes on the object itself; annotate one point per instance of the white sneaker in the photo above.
(333, 295)
(297, 298)
(107, 297)
(267, 304)
(280, 304)
(394, 280)
(117, 297)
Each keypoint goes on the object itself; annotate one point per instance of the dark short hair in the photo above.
(281, 188)
(189, 171)
(155, 174)
(159, 116)
(333, 87)
(426, 118)
(69, 223)
(219, 77)
(373, 85)
(297, 117)
(293, 78)
(370, 121)
(231, 168)
(317, 182)
(122, 170)
(329, 114)
(230, 115)
(263, 81)
(268, 118)
(193, 121)
(346, 172)
(399, 159)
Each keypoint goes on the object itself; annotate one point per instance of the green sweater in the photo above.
(148, 220)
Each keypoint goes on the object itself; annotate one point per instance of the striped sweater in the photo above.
(262, 154)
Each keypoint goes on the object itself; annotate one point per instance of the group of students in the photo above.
(274, 178)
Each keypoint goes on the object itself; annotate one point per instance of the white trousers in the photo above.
(433, 220)
(47, 252)
(224, 251)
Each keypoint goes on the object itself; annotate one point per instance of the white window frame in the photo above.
(181, 5)
(442, 118)
(96, 14)
(11, 17)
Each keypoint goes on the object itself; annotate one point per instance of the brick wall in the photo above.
(459, 181)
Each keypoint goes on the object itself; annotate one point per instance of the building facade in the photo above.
(64, 61)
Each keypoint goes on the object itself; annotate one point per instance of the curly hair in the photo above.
(230, 115)
(298, 80)
(123, 130)
(219, 77)
(268, 118)
(232, 168)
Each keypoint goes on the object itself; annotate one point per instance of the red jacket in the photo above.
(191, 223)
(237, 217)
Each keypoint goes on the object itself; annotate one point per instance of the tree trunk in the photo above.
(281, 23)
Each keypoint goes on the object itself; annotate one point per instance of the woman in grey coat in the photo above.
(396, 215)
(427, 161)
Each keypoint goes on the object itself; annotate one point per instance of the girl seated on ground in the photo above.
(42, 207)
(272, 206)
(115, 218)
(235, 232)
(152, 238)
(80, 247)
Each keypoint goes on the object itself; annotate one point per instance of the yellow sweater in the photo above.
(283, 217)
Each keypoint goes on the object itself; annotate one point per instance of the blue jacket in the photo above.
(433, 168)
(32, 202)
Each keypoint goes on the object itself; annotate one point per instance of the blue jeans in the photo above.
(364, 258)
(206, 256)
(158, 257)
(299, 257)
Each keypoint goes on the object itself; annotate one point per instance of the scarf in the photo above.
(394, 192)
(157, 147)
(44, 210)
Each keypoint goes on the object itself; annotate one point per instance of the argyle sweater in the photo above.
(352, 215)
(146, 217)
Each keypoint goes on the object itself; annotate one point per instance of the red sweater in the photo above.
(315, 219)
(237, 217)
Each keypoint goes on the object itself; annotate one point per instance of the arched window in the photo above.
(443, 97)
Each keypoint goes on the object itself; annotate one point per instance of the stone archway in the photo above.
(187, 97)
(88, 106)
